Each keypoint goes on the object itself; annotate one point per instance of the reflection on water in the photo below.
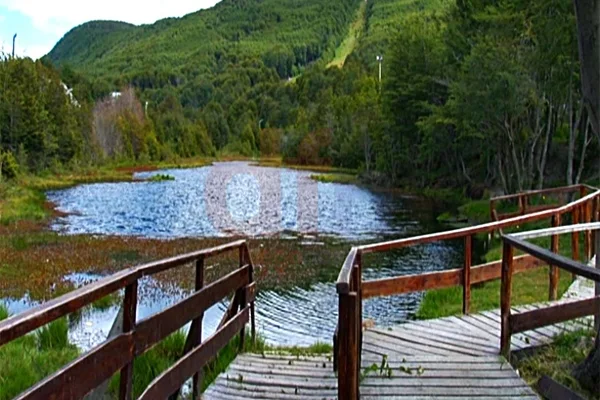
(223, 200)
(274, 204)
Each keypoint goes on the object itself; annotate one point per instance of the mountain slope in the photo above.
(284, 34)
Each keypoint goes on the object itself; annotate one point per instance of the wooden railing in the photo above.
(90, 370)
(352, 289)
(523, 200)
(525, 321)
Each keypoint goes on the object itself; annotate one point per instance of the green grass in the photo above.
(318, 348)
(528, 287)
(349, 44)
(558, 360)
(29, 359)
(335, 178)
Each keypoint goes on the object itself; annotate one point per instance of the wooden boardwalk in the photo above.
(453, 358)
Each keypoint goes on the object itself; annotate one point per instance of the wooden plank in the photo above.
(504, 392)
(343, 281)
(411, 283)
(38, 316)
(553, 390)
(452, 338)
(171, 379)
(86, 372)
(160, 325)
(493, 270)
(317, 372)
(240, 391)
(553, 314)
(412, 338)
(387, 344)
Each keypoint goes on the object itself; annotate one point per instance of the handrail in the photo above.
(352, 289)
(23, 323)
(563, 189)
(524, 321)
(471, 230)
(89, 370)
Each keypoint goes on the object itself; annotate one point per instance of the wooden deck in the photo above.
(452, 358)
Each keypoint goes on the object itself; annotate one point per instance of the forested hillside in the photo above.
(474, 93)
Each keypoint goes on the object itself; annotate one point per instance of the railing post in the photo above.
(198, 336)
(575, 235)
(554, 273)
(467, 275)
(506, 288)
(358, 280)
(521, 206)
(252, 305)
(348, 375)
(129, 318)
(243, 301)
(492, 217)
(587, 234)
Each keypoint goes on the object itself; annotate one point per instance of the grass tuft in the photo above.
(53, 336)
(558, 360)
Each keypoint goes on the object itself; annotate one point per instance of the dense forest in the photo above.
(474, 93)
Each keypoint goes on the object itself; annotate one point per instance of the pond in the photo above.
(269, 205)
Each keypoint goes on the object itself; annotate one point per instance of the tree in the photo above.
(588, 35)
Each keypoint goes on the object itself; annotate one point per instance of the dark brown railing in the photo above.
(90, 370)
(525, 321)
(352, 289)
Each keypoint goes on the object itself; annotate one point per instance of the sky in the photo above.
(39, 24)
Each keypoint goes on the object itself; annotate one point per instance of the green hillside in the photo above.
(284, 34)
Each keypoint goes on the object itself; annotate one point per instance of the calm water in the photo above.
(230, 199)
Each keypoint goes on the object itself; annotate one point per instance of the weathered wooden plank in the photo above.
(553, 314)
(493, 270)
(553, 390)
(411, 338)
(522, 390)
(428, 371)
(394, 343)
(85, 373)
(171, 379)
(155, 328)
(452, 338)
(241, 391)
